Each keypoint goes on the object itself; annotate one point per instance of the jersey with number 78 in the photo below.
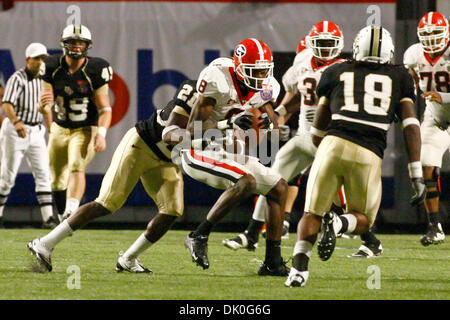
(74, 93)
(363, 100)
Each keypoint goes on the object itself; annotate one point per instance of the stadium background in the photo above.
(154, 45)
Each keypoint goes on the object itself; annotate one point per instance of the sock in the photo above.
(348, 223)
(369, 237)
(253, 229)
(3, 199)
(72, 205)
(302, 252)
(433, 217)
(60, 200)
(203, 229)
(46, 212)
(62, 231)
(261, 208)
(287, 217)
(140, 245)
(273, 252)
(45, 201)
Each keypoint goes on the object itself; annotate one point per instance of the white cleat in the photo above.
(296, 278)
(368, 251)
(41, 253)
(131, 265)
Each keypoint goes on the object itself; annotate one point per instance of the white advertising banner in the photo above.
(154, 45)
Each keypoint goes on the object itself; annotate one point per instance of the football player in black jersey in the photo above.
(358, 101)
(75, 87)
(145, 153)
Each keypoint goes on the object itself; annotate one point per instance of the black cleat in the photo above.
(198, 248)
(280, 270)
(51, 223)
(327, 241)
(2, 225)
(434, 235)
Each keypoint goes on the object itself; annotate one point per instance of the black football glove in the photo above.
(242, 120)
(265, 124)
(420, 191)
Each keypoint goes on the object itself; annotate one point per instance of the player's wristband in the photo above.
(410, 121)
(445, 96)
(317, 132)
(222, 125)
(415, 169)
(281, 110)
(102, 131)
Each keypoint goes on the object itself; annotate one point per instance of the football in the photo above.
(256, 122)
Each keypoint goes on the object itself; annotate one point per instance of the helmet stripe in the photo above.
(375, 42)
(325, 26)
(260, 49)
(430, 17)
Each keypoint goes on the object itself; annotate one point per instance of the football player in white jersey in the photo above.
(225, 93)
(429, 63)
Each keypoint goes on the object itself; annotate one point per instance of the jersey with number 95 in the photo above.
(363, 100)
(74, 93)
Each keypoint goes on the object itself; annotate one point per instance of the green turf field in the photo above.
(407, 270)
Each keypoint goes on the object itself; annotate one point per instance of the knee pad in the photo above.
(434, 182)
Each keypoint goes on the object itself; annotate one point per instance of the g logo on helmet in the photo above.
(240, 51)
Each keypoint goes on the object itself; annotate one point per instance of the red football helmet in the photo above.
(433, 32)
(253, 63)
(326, 40)
(301, 45)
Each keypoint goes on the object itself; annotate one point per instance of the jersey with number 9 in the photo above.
(74, 93)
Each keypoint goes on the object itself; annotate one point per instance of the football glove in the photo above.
(241, 120)
(265, 124)
(284, 132)
(420, 191)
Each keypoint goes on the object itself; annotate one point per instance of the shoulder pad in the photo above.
(304, 55)
(53, 61)
(411, 54)
(96, 64)
(215, 79)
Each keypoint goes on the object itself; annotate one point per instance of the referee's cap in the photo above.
(35, 49)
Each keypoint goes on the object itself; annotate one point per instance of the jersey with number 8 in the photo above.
(74, 93)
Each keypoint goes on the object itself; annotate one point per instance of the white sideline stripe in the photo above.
(383, 126)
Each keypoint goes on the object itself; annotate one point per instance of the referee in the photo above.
(23, 133)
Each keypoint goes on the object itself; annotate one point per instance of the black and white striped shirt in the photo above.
(23, 91)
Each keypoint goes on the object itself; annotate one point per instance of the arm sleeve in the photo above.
(325, 84)
(210, 82)
(102, 73)
(289, 80)
(12, 90)
(407, 89)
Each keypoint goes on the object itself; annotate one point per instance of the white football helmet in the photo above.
(75, 32)
(373, 44)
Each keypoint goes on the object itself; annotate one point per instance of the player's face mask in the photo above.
(256, 77)
(75, 49)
